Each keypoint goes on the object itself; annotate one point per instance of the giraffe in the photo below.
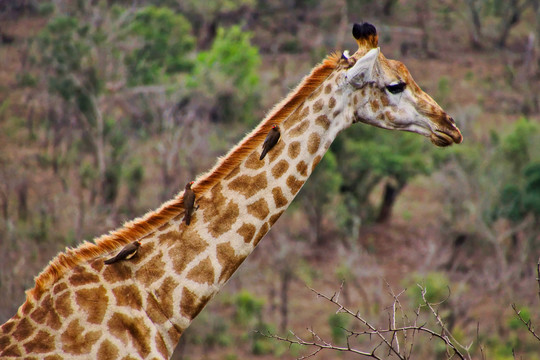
(80, 308)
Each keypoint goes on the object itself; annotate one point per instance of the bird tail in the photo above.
(263, 154)
(187, 218)
(110, 261)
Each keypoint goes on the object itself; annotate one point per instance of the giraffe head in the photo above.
(382, 93)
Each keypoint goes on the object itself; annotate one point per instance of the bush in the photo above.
(227, 74)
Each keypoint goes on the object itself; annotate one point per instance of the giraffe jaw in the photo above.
(443, 139)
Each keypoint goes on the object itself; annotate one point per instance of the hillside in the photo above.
(156, 108)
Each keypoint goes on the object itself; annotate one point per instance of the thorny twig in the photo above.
(393, 330)
(527, 323)
(445, 333)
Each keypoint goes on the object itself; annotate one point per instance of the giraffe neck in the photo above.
(141, 307)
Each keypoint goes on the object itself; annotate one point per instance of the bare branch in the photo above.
(446, 335)
(527, 323)
(538, 276)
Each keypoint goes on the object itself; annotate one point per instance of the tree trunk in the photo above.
(391, 191)
(476, 31)
(22, 195)
(388, 7)
(286, 277)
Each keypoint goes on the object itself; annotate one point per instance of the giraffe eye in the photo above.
(396, 88)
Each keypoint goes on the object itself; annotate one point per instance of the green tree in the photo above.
(165, 42)
(227, 76)
(367, 157)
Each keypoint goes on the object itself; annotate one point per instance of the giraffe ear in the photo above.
(362, 71)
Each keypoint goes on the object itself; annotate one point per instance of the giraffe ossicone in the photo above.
(80, 308)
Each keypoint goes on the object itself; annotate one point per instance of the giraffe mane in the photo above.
(142, 226)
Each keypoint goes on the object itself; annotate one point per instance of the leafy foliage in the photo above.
(165, 45)
(228, 72)
(368, 155)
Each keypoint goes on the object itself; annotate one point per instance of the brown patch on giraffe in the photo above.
(275, 217)
(170, 238)
(127, 295)
(96, 265)
(299, 129)
(249, 185)
(305, 111)
(183, 254)
(107, 350)
(27, 307)
(294, 118)
(13, 350)
(374, 105)
(82, 277)
(259, 209)
(302, 167)
(318, 105)
(294, 149)
(118, 272)
(93, 302)
(336, 113)
(262, 231)
(276, 151)
(314, 142)
(219, 214)
(228, 260)
(75, 340)
(53, 357)
(202, 273)
(384, 100)
(23, 330)
(152, 270)
(390, 116)
(332, 102)
(41, 343)
(62, 304)
(161, 346)
(153, 309)
(7, 327)
(327, 89)
(279, 199)
(253, 162)
(191, 305)
(45, 314)
(247, 231)
(279, 169)
(164, 296)
(315, 162)
(322, 120)
(129, 357)
(355, 98)
(125, 327)
(174, 334)
(294, 184)
(233, 173)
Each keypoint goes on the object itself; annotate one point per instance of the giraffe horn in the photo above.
(365, 35)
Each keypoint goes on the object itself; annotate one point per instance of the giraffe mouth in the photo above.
(443, 139)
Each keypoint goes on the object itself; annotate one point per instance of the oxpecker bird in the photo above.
(271, 140)
(126, 253)
(189, 202)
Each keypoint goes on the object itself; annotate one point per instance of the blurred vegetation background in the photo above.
(108, 107)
